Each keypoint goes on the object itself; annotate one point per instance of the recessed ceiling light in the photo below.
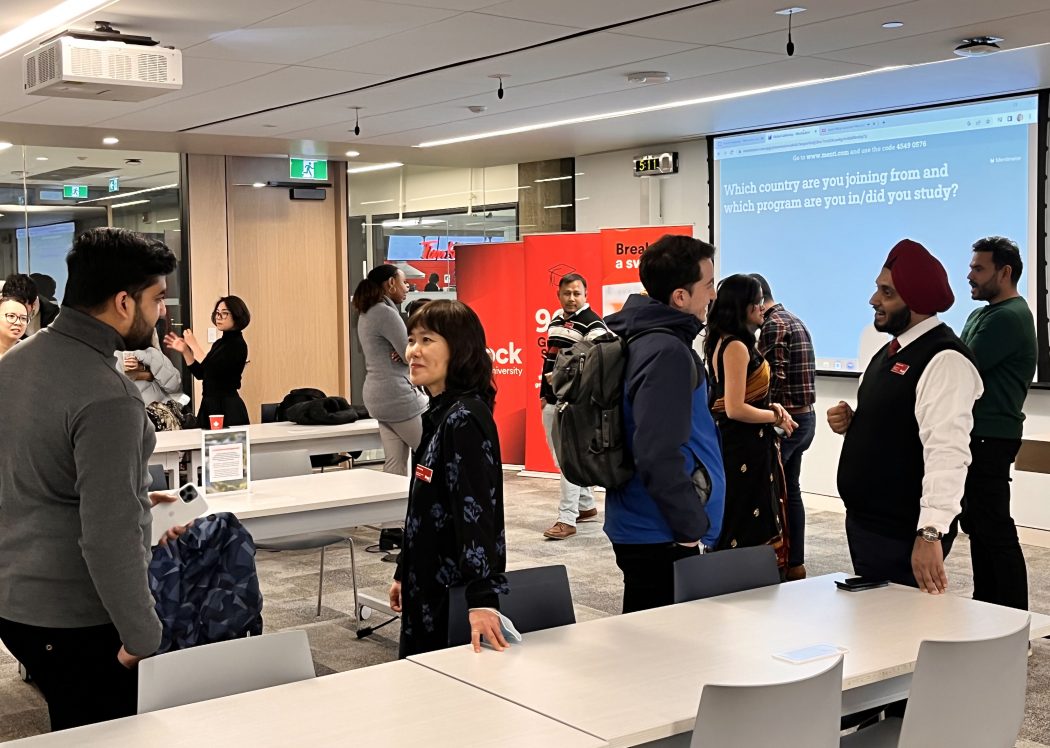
(4, 145)
(110, 140)
(257, 185)
(648, 77)
(892, 24)
(790, 11)
(353, 154)
(41, 158)
(55, 18)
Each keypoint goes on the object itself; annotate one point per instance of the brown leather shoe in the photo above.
(795, 573)
(587, 515)
(560, 531)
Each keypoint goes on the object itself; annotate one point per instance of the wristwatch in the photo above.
(929, 534)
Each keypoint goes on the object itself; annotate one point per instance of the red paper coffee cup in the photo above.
(216, 422)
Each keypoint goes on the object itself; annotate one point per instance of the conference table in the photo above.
(267, 438)
(394, 704)
(637, 678)
(320, 502)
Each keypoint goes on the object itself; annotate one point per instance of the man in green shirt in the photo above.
(1002, 338)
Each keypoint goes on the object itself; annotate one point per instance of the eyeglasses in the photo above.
(16, 319)
(221, 315)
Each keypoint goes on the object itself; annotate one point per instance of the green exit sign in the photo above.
(74, 191)
(307, 168)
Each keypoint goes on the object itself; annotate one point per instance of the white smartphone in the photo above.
(811, 653)
(187, 507)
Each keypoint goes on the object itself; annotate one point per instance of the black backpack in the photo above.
(589, 436)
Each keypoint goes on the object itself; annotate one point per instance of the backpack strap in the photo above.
(694, 379)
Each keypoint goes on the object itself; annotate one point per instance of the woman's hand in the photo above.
(395, 597)
(784, 421)
(485, 623)
(179, 345)
(131, 363)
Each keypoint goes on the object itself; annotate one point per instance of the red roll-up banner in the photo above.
(489, 280)
(622, 251)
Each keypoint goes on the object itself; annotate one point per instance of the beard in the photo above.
(896, 322)
(141, 333)
(986, 291)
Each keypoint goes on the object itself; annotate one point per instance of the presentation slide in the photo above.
(816, 209)
(46, 249)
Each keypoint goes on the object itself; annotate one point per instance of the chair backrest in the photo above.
(269, 412)
(722, 572)
(539, 599)
(797, 714)
(978, 686)
(158, 478)
(224, 668)
(280, 464)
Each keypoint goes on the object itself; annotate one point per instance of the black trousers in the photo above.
(999, 573)
(77, 671)
(648, 573)
(879, 556)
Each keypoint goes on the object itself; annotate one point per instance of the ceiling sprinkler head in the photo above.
(477, 108)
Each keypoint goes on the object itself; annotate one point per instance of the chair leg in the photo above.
(320, 583)
(353, 579)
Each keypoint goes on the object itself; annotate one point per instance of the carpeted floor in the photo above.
(289, 582)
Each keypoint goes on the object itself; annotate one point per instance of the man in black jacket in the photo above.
(659, 516)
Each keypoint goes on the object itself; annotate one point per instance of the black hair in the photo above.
(469, 365)
(238, 311)
(767, 292)
(107, 261)
(17, 300)
(434, 277)
(369, 291)
(1005, 252)
(413, 306)
(21, 287)
(672, 262)
(728, 315)
(572, 278)
(45, 284)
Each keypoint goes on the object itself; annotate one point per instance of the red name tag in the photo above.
(900, 369)
(424, 473)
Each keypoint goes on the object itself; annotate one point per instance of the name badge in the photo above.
(568, 325)
(900, 369)
(424, 473)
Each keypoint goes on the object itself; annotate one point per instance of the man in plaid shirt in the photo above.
(787, 346)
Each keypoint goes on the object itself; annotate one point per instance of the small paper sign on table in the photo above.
(227, 457)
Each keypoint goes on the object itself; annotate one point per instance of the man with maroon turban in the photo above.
(903, 464)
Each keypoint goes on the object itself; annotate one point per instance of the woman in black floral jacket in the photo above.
(454, 532)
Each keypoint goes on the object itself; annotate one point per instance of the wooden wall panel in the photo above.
(287, 261)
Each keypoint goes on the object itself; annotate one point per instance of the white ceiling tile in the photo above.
(586, 14)
(71, 111)
(318, 28)
(462, 38)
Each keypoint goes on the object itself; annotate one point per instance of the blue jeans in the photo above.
(791, 451)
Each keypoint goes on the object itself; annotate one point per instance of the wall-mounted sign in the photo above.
(307, 168)
(74, 191)
(114, 184)
(662, 163)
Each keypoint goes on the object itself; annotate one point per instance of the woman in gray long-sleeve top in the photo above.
(389, 396)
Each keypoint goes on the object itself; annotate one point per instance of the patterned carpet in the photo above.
(289, 583)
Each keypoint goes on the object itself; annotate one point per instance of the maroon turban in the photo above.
(919, 278)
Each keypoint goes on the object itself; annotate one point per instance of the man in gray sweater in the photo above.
(75, 604)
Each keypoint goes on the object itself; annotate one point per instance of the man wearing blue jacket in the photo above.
(673, 504)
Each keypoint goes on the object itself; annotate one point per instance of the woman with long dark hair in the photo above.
(754, 505)
(222, 367)
(454, 533)
(389, 396)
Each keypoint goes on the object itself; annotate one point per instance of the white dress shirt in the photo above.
(944, 398)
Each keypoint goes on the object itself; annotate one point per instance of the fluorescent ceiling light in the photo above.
(553, 179)
(56, 18)
(353, 154)
(377, 202)
(124, 205)
(404, 223)
(4, 145)
(644, 110)
(374, 167)
(258, 185)
(129, 194)
(553, 207)
(110, 140)
(167, 220)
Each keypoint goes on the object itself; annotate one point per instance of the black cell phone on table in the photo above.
(856, 584)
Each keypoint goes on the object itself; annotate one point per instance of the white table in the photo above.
(395, 704)
(268, 438)
(320, 502)
(642, 673)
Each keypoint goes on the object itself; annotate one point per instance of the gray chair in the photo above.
(723, 572)
(963, 693)
(797, 714)
(283, 465)
(158, 478)
(222, 669)
(538, 599)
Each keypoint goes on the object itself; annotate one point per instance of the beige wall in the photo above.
(286, 259)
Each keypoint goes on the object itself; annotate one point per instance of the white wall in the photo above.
(615, 197)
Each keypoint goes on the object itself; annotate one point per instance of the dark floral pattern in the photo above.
(454, 533)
